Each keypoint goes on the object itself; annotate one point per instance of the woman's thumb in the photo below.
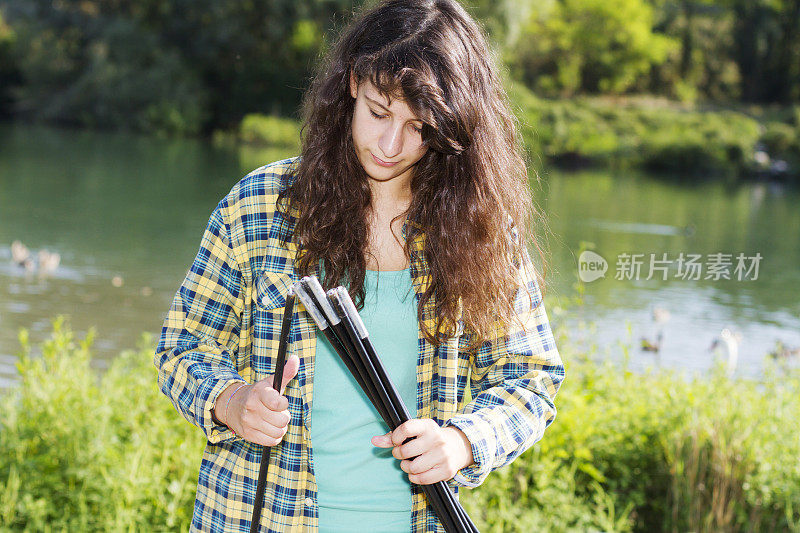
(290, 370)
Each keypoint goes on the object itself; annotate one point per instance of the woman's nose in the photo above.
(391, 140)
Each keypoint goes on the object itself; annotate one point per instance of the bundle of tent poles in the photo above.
(338, 319)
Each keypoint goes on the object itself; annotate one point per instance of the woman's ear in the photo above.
(353, 85)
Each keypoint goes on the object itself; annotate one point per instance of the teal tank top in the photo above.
(361, 487)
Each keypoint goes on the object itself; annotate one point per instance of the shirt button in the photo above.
(309, 502)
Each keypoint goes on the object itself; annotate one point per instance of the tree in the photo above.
(169, 65)
(702, 66)
(767, 52)
(86, 64)
(589, 46)
(9, 73)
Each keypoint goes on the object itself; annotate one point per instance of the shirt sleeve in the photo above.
(514, 379)
(199, 341)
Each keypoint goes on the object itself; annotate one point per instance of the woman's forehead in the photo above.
(394, 101)
(386, 98)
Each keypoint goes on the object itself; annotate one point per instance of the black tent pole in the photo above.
(346, 337)
(280, 362)
(314, 289)
(329, 325)
(449, 510)
(462, 520)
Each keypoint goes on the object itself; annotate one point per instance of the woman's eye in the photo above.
(374, 114)
(416, 129)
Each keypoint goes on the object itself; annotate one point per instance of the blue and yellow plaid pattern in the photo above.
(223, 327)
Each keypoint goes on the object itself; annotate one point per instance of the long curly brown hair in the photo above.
(470, 193)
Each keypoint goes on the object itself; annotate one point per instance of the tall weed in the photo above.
(83, 453)
(627, 452)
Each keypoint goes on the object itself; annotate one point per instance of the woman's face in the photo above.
(386, 134)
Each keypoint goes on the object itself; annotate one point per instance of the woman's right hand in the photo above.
(258, 413)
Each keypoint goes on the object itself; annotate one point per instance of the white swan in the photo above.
(729, 341)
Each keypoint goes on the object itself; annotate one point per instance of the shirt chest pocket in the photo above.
(269, 301)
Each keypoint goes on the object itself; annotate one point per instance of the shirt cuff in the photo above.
(205, 400)
(480, 435)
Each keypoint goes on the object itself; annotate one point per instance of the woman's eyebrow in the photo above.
(377, 103)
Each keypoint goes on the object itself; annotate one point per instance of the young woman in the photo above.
(410, 191)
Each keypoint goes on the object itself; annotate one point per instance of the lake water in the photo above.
(126, 214)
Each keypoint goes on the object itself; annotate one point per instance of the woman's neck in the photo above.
(385, 249)
(391, 192)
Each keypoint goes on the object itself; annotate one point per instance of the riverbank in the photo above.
(628, 452)
(654, 134)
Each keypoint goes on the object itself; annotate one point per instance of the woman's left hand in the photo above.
(435, 454)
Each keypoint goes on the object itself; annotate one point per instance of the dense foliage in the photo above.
(174, 66)
(596, 46)
(88, 454)
(627, 452)
(9, 76)
(164, 65)
(678, 139)
(655, 452)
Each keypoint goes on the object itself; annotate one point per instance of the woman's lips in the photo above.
(382, 162)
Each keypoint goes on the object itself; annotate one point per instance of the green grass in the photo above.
(627, 452)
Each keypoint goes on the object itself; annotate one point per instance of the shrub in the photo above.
(267, 130)
(627, 452)
(781, 140)
(655, 452)
(88, 454)
(656, 136)
(690, 153)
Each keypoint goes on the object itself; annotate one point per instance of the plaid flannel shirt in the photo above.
(223, 327)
